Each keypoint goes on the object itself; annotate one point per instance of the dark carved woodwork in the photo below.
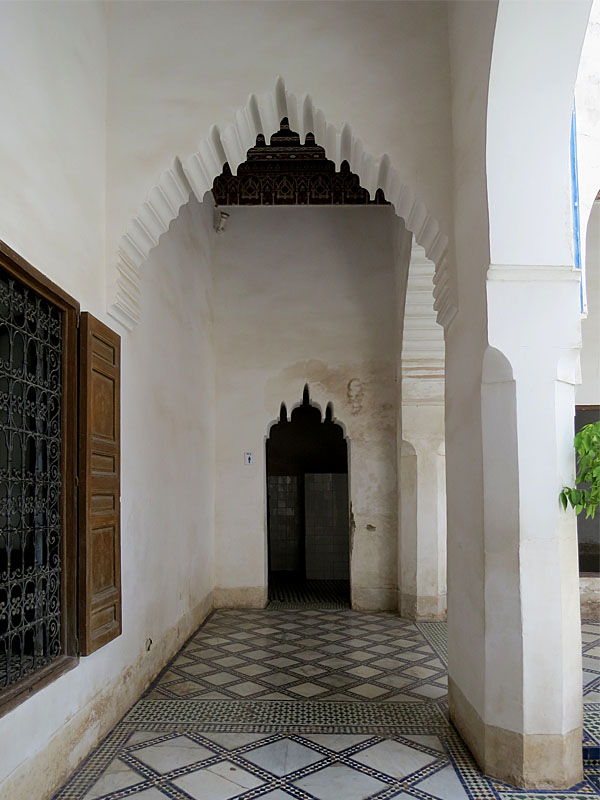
(287, 173)
(38, 392)
(99, 484)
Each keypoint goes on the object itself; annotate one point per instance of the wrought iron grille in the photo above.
(30, 480)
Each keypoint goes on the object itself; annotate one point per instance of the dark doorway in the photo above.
(308, 508)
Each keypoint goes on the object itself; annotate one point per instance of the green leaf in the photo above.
(563, 500)
(587, 495)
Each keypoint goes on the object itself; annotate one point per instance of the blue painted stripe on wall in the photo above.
(575, 199)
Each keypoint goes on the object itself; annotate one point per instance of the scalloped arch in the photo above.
(196, 173)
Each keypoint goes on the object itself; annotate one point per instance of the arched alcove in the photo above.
(261, 117)
(308, 517)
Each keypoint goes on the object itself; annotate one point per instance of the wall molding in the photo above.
(532, 273)
(196, 173)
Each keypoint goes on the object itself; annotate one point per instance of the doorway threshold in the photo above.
(289, 591)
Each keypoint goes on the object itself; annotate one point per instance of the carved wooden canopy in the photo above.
(287, 172)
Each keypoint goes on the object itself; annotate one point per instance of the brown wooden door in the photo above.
(99, 485)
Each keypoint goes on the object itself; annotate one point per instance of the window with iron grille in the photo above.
(30, 480)
(38, 427)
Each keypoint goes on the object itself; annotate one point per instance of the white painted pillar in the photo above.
(518, 704)
(422, 481)
(422, 543)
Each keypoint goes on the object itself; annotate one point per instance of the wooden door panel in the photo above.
(99, 486)
(103, 406)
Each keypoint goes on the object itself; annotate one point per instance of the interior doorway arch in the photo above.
(308, 508)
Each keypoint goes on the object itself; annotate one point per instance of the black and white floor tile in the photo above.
(590, 635)
(307, 704)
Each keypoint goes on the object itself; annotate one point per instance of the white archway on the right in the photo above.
(587, 109)
(536, 46)
(512, 560)
(587, 395)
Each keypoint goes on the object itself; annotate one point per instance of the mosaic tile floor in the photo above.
(307, 704)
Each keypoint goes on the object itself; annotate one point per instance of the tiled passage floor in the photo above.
(306, 704)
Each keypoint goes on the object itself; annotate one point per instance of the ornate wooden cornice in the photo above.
(286, 172)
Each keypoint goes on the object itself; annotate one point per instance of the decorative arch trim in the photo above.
(196, 173)
(423, 344)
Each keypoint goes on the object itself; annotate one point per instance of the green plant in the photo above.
(587, 446)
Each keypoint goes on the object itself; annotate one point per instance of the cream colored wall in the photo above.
(52, 161)
(177, 68)
(305, 295)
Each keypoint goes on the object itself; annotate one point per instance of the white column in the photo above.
(519, 705)
(422, 543)
(422, 482)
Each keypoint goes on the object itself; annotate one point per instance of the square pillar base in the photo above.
(422, 608)
(527, 761)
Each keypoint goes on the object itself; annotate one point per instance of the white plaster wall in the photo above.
(536, 46)
(528, 394)
(422, 552)
(52, 160)
(587, 91)
(176, 68)
(167, 537)
(471, 31)
(53, 67)
(588, 392)
(168, 427)
(305, 295)
(498, 153)
(422, 535)
(530, 400)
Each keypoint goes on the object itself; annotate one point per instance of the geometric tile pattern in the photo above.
(373, 716)
(289, 592)
(238, 714)
(313, 655)
(591, 690)
(301, 605)
(436, 634)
